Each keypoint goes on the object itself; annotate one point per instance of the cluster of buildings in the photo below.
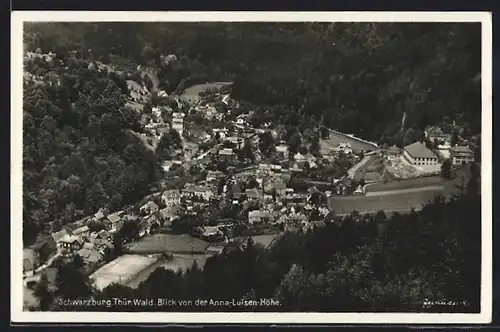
(419, 154)
(91, 237)
(38, 54)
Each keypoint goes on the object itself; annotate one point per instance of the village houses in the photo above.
(178, 123)
(90, 253)
(254, 194)
(82, 232)
(191, 191)
(393, 153)
(434, 134)
(259, 216)
(226, 154)
(171, 198)
(280, 188)
(58, 236)
(114, 220)
(70, 244)
(99, 215)
(149, 208)
(282, 151)
(461, 155)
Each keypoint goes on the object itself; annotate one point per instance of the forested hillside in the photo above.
(355, 77)
(77, 153)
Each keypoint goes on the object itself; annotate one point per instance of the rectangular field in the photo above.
(400, 202)
(179, 262)
(451, 187)
(406, 184)
(121, 270)
(191, 94)
(174, 243)
(264, 240)
(336, 138)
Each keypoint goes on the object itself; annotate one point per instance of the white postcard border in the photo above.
(19, 316)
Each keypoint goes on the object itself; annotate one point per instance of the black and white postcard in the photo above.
(251, 167)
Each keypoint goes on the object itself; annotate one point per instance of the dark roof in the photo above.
(419, 150)
(461, 149)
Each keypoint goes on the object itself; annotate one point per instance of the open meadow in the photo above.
(170, 243)
(401, 195)
(398, 202)
(335, 138)
(406, 184)
(191, 94)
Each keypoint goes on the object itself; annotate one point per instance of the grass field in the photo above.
(406, 184)
(191, 94)
(121, 270)
(264, 240)
(399, 202)
(371, 170)
(179, 262)
(173, 243)
(336, 138)
(450, 186)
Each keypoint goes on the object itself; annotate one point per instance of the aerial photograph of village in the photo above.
(279, 167)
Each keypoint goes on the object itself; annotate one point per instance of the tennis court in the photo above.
(121, 270)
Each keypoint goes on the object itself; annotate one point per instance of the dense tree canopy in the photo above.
(79, 151)
(361, 78)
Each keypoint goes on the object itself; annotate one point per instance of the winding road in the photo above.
(354, 168)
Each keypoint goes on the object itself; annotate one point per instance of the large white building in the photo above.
(171, 198)
(418, 154)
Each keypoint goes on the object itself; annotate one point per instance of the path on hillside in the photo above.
(404, 191)
(354, 168)
(153, 77)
